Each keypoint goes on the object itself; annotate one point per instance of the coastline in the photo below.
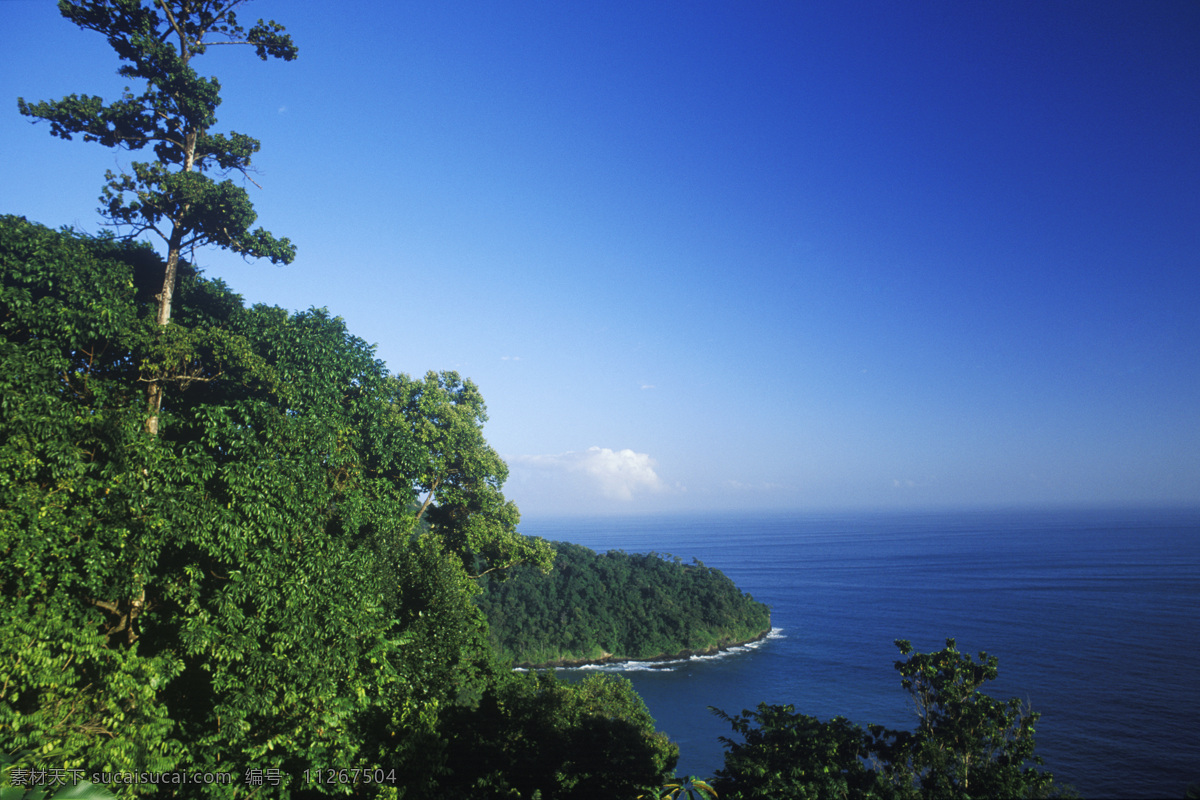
(682, 655)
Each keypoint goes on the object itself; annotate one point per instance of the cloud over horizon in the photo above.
(616, 474)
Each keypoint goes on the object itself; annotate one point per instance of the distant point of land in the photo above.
(604, 608)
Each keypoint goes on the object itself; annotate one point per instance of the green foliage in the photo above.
(688, 788)
(616, 605)
(152, 619)
(464, 475)
(785, 754)
(967, 744)
(23, 785)
(173, 197)
(214, 546)
(246, 587)
(536, 734)
(79, 520)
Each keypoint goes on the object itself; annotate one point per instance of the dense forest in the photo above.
(614, 606)
(251, 585)
(242, 558)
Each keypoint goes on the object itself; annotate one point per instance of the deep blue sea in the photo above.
(1094, 615)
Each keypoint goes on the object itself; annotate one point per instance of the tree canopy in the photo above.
(271, 563)
(173, 197)
(538, 736)
(598, 606)
(249, 586)
(462, 472)
(967, 744)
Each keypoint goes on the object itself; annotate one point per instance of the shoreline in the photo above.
(682, 655)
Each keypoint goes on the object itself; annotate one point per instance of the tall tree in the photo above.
(534, 735)
(287, 618)
(461, 475)
(447, 415)
(967, 743)
(173, 197)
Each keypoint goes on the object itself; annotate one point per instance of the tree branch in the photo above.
(184, 50)
(105, 605)
(247, 177)
(428, 500)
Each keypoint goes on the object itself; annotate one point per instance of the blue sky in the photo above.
(721, 256)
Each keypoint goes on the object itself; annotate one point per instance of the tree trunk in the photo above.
(168, 289)
(154, 391)
(428, 500)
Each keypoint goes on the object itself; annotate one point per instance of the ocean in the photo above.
(1094, 616)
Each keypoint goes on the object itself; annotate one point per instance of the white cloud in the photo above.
(616, 474)
(909, 483)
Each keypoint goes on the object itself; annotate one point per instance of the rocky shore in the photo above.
(682, 655)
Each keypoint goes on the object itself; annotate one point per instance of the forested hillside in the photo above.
(616, 605)
(234, 544)
(250, 585)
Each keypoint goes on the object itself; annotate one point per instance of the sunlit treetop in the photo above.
(174, 196)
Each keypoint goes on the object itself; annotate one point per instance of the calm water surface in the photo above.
(1094, 615)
